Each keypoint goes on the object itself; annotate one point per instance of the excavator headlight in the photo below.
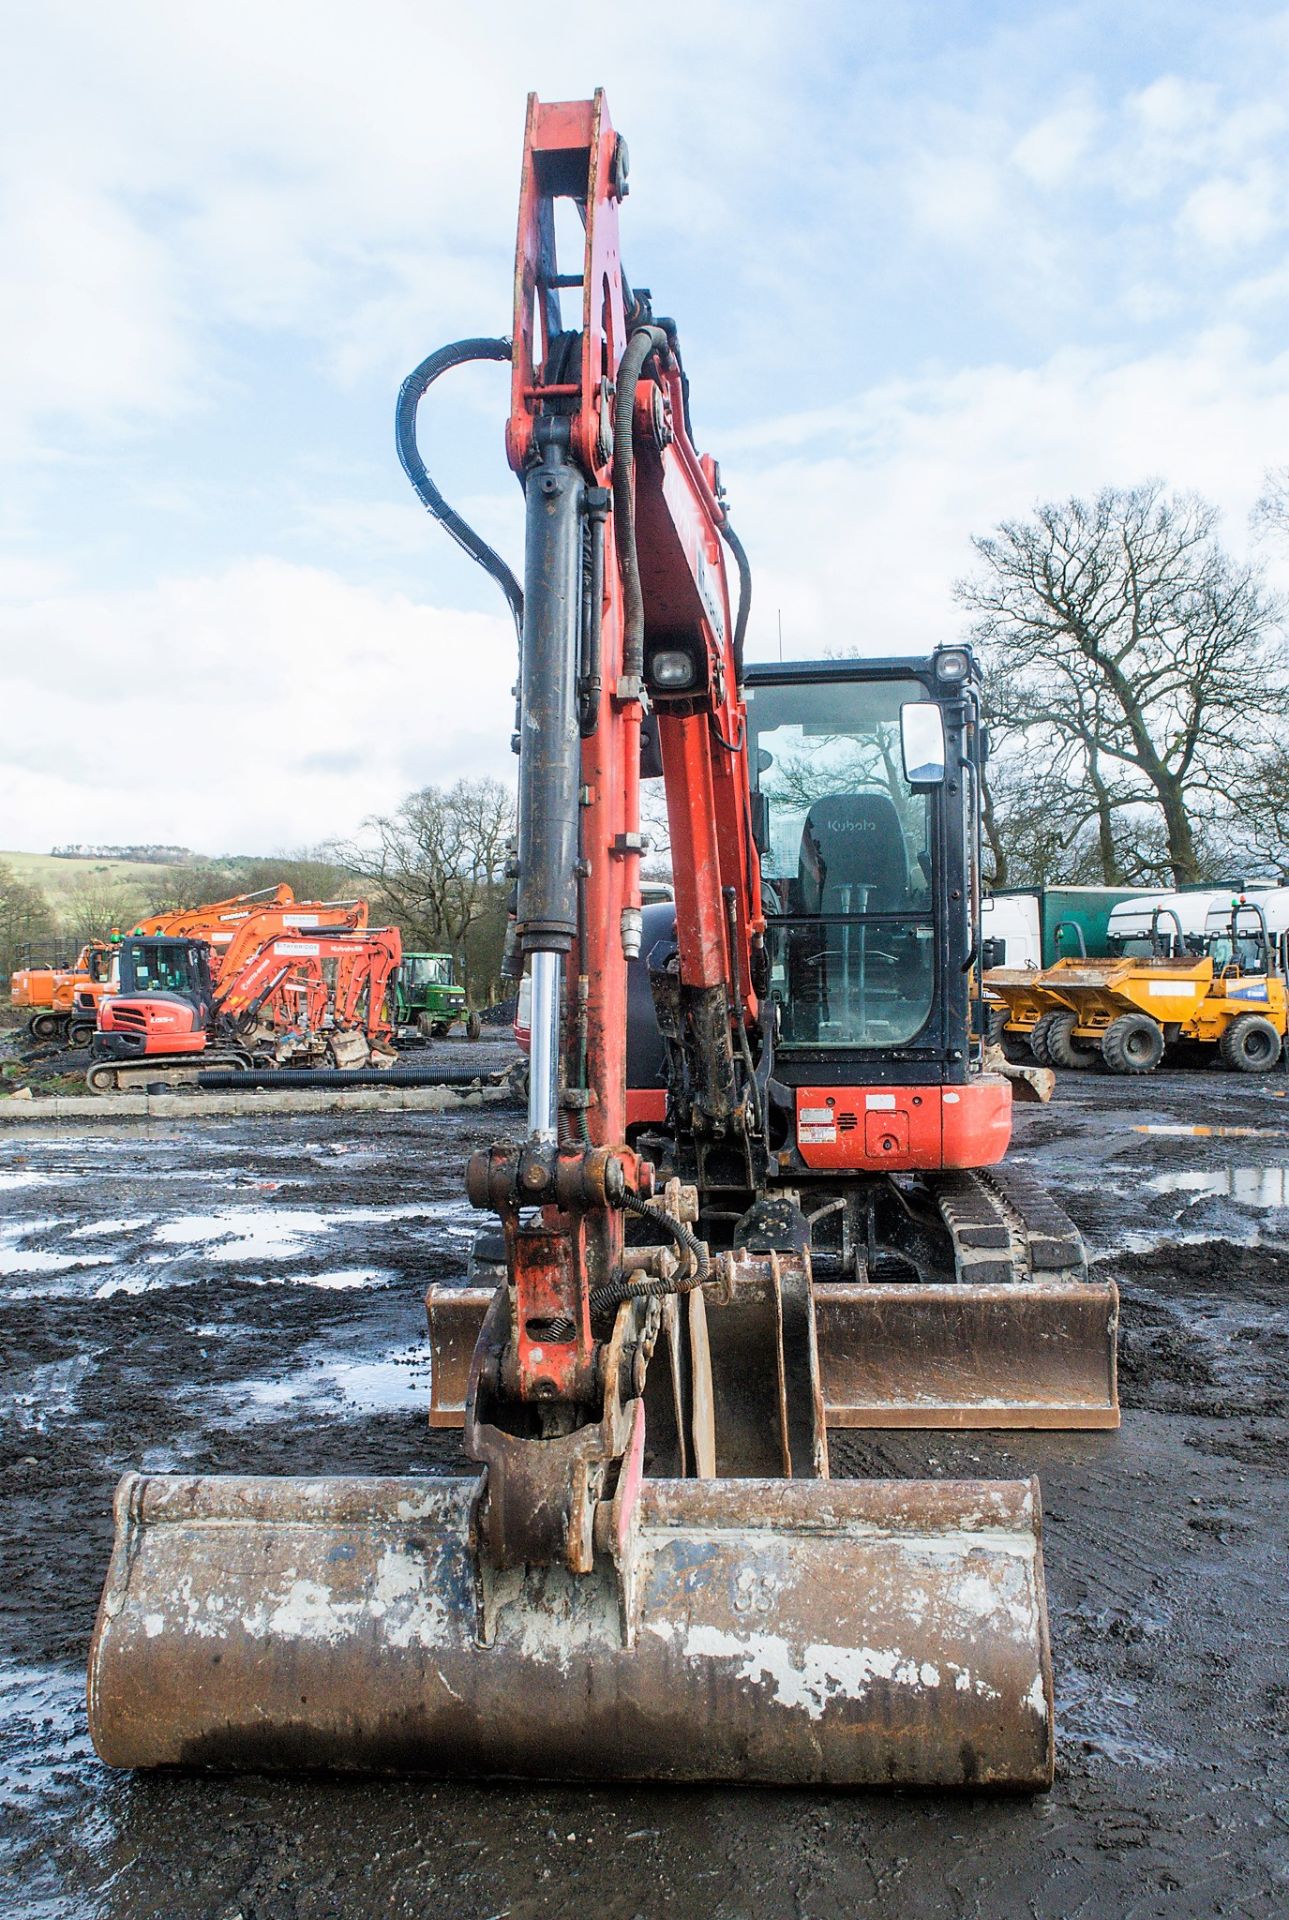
(952, 664)
(672, 670)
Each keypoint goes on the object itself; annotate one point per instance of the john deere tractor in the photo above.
(427, 999)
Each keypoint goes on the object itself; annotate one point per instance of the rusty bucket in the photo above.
(802, 1632)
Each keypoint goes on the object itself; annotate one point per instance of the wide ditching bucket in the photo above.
(852, 1633)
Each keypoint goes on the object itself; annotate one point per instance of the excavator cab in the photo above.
(164, 1001)
(180, 968)
(948, 1290)
(868, 875)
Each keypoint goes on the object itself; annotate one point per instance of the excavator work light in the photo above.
(672, 670)
(952, 664)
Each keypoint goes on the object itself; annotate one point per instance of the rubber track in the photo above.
(1006, 1229)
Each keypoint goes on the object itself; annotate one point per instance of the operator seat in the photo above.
(853, 840)
(853, 859)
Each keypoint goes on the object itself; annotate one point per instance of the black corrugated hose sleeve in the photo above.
(617, 1291)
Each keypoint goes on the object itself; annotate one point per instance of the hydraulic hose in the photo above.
(613, 1295)
(617, 1291)
(643, 342)
(744, 566)
(411, 393)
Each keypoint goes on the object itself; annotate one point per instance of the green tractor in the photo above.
(427, 999)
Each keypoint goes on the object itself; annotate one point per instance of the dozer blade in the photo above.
(902, 1355)
(848, 1633)
(969, 1355)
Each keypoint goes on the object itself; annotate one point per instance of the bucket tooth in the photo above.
(840, 1633)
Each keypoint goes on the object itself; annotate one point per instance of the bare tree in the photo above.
(438, 863)
(100, 904)
(26, 922)
(1271, 511)
(1136, 661)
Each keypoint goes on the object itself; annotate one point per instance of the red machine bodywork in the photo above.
(903, 1129)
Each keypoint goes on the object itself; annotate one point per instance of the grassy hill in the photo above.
(64, 881)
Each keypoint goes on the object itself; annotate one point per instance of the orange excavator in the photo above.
(785, 1211)
(176, 1016)
(47, 994)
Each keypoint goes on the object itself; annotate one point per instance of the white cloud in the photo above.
(860, 546)
(265, 706)
(1227, 214)
(1053, 151)
(89, 326)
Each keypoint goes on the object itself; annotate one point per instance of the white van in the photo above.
(1171, 915)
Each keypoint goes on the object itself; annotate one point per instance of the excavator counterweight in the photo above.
(781, 1208)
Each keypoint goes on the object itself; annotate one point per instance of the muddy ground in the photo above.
(245, 1295)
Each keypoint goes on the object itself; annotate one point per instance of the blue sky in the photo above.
(930, 264)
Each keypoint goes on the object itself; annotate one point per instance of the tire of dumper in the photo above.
(1038, 1039)
(1134, 1043)
(1250, 1044)
(1063, 1050)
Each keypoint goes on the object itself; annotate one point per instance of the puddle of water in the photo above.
(240, 1234)
(10, 1182)
(1109, 1723)
(48, 1392)
(340, 1280)
(99, 1229)
(1250, 1186)
(23, 1261)
(1170, 1236)
(147, 1276)
(48, 1793)
(243, 1233)
(360, 1386)
(1214, 1133)
(42, 1713)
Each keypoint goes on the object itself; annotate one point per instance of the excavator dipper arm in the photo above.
(650, 1574)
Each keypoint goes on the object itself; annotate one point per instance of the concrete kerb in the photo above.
(185, 1106)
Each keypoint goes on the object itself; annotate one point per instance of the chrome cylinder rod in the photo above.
(543, 1060)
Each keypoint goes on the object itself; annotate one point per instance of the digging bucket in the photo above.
(848, 1633)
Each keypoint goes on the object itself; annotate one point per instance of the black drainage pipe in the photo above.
(230, 1078)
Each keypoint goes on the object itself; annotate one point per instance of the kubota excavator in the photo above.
(649, 1573)
(173, 1018)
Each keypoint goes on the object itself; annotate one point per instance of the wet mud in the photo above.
(245, 1296)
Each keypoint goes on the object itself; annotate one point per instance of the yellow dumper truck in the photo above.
(1130, 1009)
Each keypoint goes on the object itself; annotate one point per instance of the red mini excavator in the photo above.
(796, 1219)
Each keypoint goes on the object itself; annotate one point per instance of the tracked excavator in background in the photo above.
(316, 992)
(65, 1000)
(803, 1221)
